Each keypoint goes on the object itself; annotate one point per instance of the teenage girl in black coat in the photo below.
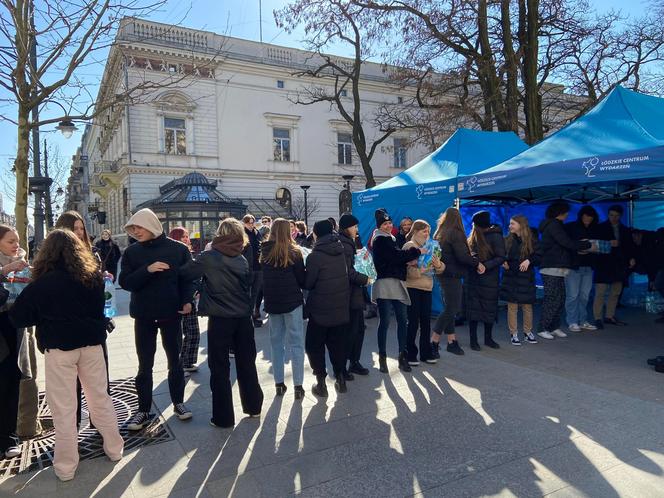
(482, 286)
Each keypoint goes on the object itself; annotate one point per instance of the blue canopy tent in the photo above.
(615, 151)
(428, 187)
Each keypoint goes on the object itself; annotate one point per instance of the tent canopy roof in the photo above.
(614, 146)
(464, 153)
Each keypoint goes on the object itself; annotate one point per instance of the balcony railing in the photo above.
(142, 31)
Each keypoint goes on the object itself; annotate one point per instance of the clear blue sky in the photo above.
(239, 18)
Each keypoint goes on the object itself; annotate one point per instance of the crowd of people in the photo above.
(303, 282)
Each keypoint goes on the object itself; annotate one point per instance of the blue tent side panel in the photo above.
(621, 138)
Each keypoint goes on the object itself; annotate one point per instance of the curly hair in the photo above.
(62, 249)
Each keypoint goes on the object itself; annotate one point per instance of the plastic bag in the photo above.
(16, 282)
(425, 261)
(654, 302)
(364, 264)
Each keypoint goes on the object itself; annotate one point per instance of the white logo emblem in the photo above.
(590, 166)
(360, 199)
(419, 190)
(471, 183)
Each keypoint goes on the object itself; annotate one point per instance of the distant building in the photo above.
(232, 121)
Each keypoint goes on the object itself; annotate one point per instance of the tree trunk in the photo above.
(21, 164)
(487, 69)
(511, 68)
(532, 100)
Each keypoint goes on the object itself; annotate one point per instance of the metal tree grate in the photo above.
(37, 453)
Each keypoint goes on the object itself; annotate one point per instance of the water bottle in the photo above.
(109, 296)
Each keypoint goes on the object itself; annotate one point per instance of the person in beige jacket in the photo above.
(419, 282)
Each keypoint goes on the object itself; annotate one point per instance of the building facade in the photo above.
(224, 107)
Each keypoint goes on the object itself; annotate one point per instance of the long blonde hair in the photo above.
(526, 235)
(449, 222)
(285, 250)
(417, 226)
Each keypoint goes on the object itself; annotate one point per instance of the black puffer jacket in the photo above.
(255, 243)
(282, 286)
(390, 261)
(226, 281)
(578, 231)
(327, 282)
(482, 290)
(357, 280)
(158, 295)
(556, 249)
(456, 255)
(67, 314)
(519, 286)
(614, 267)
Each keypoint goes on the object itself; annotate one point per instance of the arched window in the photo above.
(284, 198)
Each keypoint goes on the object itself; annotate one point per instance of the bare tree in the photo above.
(329, 22)
(297, 207)
(43, 45)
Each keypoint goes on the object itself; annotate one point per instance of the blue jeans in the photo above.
(578, 284)
(384, 306)
(290, 327)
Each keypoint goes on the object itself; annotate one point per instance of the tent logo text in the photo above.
(590, 166)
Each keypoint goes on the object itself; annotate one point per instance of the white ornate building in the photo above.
(228, 114)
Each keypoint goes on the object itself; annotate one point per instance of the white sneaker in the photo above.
(574, 327)
(588, 326)
(559, 333)
(545, 335)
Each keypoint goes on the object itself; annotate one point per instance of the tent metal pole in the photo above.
(631, 211)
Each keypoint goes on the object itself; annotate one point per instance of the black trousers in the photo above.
(335, 338)
(238, 334)
(355, 335)
(419, 317)
(553, 304)
(10, 378)
(256, 289)
(145, 335)
(452, 292)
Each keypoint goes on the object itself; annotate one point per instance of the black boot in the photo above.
(320, 389)
(382, 363)
(403, 363)
(454, 348)
(358, 369)
(340, 383)
(474, 345)
(488, 337)
(281, 389)
(347, 375)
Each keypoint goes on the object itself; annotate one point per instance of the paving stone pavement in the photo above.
(580, 416)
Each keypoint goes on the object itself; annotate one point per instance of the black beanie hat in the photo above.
(482, 219)
(381, 217)
(347, 220)
(323, 228)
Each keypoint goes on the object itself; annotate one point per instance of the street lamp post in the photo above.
(306, 209)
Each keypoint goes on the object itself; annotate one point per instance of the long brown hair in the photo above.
(526, 235)
(4, 229)
(284, 251)
(478, 244)
(63, 249)
(416, 227)
(449, 222)
(68, 219)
